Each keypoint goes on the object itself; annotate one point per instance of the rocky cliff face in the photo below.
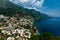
(4, 3)
(9, 9)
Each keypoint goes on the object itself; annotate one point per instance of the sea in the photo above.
(51, 25)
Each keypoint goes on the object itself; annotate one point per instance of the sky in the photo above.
(49, 7)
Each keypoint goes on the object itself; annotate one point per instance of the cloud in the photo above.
(39, 3)
(29, 3)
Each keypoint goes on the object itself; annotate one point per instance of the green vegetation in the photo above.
(45, 36)
(48, 36)
(35, 37)
(27, 26)
(13, 9)
(16, 11)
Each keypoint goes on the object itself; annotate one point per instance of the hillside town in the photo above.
(17, 28)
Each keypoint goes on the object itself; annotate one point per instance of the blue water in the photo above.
(49, 25)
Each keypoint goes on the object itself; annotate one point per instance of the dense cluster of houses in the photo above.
(14, 27)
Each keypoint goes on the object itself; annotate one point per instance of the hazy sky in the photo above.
(50, 7)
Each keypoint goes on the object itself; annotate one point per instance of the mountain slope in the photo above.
(11, 10)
